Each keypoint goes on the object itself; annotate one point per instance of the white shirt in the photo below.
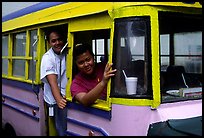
(50, 64)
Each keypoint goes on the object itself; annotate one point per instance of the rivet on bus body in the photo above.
(3, 99)
(91, 133)
(34, 112)
(153, 108)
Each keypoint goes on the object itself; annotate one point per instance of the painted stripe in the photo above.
(98, 129)
(20, 111)
(69, 133)
(30, 9)
(21, 85)
(90, 110)
(21, 102)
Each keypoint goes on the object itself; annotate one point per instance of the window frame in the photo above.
(100, 21)
(147, 57)
(26, 58)
(172, 30)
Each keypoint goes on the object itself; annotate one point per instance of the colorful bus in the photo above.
(159, 43)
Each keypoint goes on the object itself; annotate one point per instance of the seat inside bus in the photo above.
(174, 79)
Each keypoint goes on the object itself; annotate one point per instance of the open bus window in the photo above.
(100, 42)
(180, 56)
(132, 57)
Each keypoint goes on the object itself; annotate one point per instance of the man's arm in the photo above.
(52, 80)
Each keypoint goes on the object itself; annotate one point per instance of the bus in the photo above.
(159, 43)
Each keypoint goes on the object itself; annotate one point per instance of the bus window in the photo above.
(5, 54)
(180, 56)
(19, 50)
(132, 47)
(19, 57)
(164, 54)
(99, 49)
(100, 42)
(189, 57)
(23, 64)
(32, 53)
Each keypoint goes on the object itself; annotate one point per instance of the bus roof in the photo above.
(52, 11)
(30, 9)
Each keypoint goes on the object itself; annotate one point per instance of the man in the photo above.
(55, 79)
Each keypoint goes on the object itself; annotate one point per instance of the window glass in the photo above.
(32, 70)
(131, 58)
(18, 68)
(5, 45)
(19, 49)
(188, 53)
(33, 38)
(4, 53)
(99, 49)
(164, 51)
(5, 66)
(19, 44)
(181, 45)
(33, 54)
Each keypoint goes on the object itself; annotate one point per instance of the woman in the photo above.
(91, 81)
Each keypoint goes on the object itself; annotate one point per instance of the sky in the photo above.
(9, 7)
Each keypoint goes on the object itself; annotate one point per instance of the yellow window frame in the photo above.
(152, 12)
(92, 22)
(26, 58)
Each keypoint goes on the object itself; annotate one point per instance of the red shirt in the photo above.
(82, 83)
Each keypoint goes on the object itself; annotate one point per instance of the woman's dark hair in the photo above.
(82, 48)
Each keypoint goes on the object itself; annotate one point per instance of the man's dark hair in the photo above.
(56, 29)
(82, 48)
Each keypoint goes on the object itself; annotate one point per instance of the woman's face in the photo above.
(56, 42)
(85, 63)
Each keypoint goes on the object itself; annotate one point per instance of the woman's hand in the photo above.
(108, 72)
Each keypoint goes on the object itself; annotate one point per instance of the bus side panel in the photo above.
(83, 122)
(22, 110)
(136, 119)
(130, 120)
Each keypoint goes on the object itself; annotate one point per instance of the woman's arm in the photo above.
(90, 97)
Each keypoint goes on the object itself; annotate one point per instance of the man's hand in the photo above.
(62, 102)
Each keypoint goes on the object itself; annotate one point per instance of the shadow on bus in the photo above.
(177, 127)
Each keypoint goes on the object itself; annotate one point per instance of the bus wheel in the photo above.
(9, 130)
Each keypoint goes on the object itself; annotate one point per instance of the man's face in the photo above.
(56, 42)
(85, 63)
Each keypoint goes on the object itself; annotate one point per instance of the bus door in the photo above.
(51, 131)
